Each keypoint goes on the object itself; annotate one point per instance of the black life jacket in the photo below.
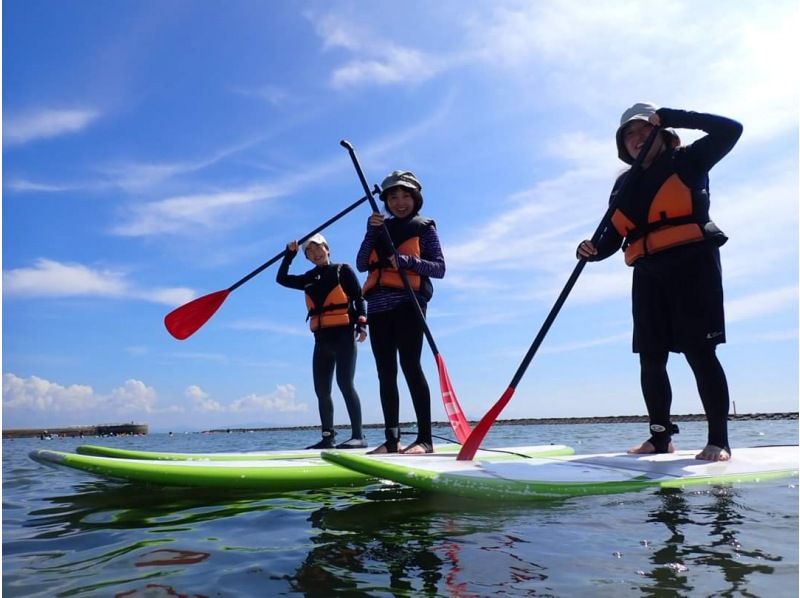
(327, 302)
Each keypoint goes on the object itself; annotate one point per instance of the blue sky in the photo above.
(157, 151)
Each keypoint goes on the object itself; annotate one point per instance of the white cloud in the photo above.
(283, 400)
(267, 326)
(763, 303)
(37, 395)
(171, 296)
(624, 337)
(49, 278)
(26, 186)
(201, 400)
(379, 61)
(203, 211)
(23, 128)
(394, 65)
(134, 396)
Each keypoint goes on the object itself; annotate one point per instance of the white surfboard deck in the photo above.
(539, 477)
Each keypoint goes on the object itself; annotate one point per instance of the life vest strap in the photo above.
(646, 229)
(326, 308)
(663, 238)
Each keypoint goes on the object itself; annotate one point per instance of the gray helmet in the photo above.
(403, 178)
(639, 111)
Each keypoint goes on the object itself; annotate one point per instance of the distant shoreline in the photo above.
(547, 421)
(142, 429)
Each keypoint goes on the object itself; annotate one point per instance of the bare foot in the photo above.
(384, 450)
(417, 448)
(713, 453)
(647, 448)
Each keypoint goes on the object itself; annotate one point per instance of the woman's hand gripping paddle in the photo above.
(473, 443)
(185, 320)
(456, 416)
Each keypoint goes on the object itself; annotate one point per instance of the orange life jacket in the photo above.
(406, 238)
(671, 221)
(328, 304)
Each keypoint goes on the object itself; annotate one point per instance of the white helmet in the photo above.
(318, 239)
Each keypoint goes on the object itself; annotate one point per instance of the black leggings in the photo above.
(336, 347)
(399, 332)
(711, 385)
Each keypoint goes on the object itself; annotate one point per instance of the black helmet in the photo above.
(403, 178)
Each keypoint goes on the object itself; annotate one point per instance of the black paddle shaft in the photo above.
(322, 226)
(351, 150)
(576, 272)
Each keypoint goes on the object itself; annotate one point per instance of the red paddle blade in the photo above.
(185, 320)
(456, 416)
(473, 443)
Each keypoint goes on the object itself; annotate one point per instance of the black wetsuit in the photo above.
(334, 347)
(677, 292)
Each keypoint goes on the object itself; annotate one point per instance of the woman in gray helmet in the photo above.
(395, 327)
(664, 229)
(337, 317)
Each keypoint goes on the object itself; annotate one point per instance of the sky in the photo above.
(154, 152)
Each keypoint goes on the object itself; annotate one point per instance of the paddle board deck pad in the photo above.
(552, 477)
(272, 475)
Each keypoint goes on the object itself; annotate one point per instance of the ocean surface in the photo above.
(66, 533)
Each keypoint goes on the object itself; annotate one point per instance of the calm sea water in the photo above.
(66, 533)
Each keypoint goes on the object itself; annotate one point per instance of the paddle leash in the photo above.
(184, 321)
(455, 415)
(473, 443)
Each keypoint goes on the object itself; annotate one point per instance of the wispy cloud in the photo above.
(225, 209)
(188, 212)
(270, 94)
(763, 303)
(379, 61)
(27, 186)
(42, 124)
(50, 278)
(394, 65)
(614, 339)
(282, 400)
(261, 325)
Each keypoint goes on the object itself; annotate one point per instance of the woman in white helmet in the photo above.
(337, 317)
(664, 229)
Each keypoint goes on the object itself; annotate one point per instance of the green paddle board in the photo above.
(270, 475)
(119, 453)
(543, 477)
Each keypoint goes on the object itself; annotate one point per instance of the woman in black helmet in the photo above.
(336, 313)
(664, 228)
(395, 327)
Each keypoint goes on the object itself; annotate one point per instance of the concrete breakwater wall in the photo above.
(79, 431)
(610, 419)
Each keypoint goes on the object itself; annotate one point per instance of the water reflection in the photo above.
(103, 506)
(718, 523)
(406, 542)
